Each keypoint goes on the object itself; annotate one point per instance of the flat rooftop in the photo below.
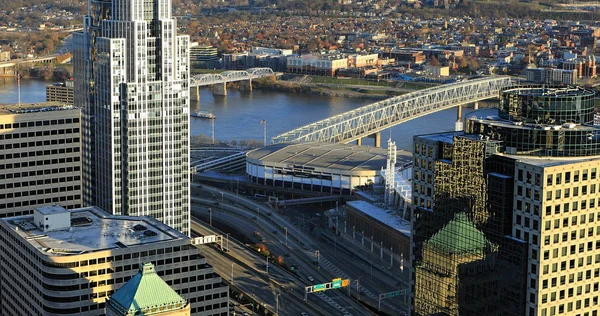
(6, 109)
(497, 121)
(327, 155)
(447, 137)
(386, 217)
(91, 230)
(551, 161)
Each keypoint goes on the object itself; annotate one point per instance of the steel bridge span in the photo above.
(230, 76)
(373, 118)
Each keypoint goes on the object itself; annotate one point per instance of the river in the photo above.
(240, 113)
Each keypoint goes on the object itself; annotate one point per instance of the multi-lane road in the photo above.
(246, 216)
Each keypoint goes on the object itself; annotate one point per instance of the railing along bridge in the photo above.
(373, 118)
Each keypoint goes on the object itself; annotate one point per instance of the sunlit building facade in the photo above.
(132, 82)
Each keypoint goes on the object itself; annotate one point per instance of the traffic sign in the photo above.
(336, 283)
(319, 287)
(345, 282)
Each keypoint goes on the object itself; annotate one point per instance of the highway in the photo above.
(303, 249)
(247, 269)
(324, 303)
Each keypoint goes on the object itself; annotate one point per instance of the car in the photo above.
(254, 217)
(311, 279)
(275, 232)
(303, 314)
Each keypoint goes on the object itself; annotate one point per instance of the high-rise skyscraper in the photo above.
(132, 83)
(506, 213)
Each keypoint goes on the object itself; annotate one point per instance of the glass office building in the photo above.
(504, 222)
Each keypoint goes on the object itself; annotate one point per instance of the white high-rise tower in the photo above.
(131, 74)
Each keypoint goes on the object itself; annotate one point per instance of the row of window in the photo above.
(17, 175)
(41, 202)
(567, 192)
(576, 176)
(11, 185)
(38, 153)
(11, 195)
(53, 132)
(569, 308)
(575, 220)
(59, 141)
(556, 239)
(38, 163)
(39, 123)
(128, 256)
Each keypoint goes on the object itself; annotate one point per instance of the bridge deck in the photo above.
(373, 118)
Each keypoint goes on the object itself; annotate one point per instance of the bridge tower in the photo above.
(220, 89)
(195, 93)
(246, 85)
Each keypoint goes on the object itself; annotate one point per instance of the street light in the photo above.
(232, 273)
(221, 196)
(213, 131)
(267, 265)
(285, 236)
(264, 122)
(227, 242)
(277, 304)
(210, 216)
(257, 216)
(318, 259)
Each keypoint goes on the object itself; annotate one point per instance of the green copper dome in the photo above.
(459, 236)
(146, 293)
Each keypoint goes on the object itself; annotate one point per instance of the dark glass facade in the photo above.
(464, 263)
(542, 122)
(547, 105)
(542, 140)
(477, 230)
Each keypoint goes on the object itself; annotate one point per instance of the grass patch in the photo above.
(351, 81)
(206, 71)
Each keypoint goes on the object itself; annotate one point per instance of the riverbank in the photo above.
(270, 84)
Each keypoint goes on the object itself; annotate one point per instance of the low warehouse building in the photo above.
(318, 166)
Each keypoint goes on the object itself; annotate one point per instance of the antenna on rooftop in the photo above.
(19, 87)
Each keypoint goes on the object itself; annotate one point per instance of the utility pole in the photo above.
(267, 265)
(318, 259)
(213, 131)
(232, 273)
(277, 304)
(285, 236)
(335, 240)
(264, 122)
(227, 242)
(210, 216)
